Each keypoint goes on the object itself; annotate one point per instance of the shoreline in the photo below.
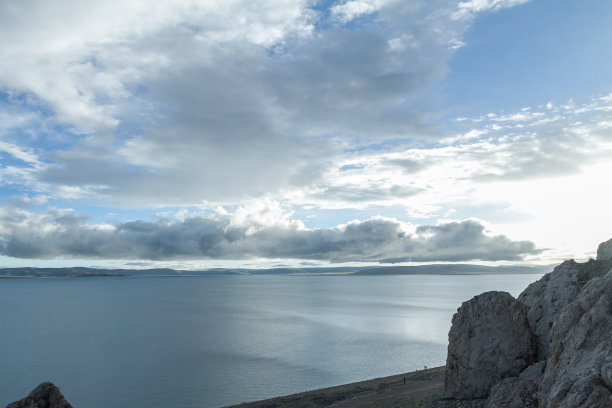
(419, 388)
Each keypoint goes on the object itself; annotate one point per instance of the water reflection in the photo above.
(207, 342)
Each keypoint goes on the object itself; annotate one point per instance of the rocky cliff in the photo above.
(550, 347)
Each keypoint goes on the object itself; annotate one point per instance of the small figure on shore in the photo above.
(404, 380)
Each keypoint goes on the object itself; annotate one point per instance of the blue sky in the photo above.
(206, 133)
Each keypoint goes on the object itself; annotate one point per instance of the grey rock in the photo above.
(570, 311)
(513, 392)
(547, 297)
(579, 368)
(534, 372)
(518, 392)
(46, 395)
(604, 251)
(489, 340)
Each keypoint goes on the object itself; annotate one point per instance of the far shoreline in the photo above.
(415, 270)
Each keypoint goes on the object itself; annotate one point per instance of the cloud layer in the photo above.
(182, 102)
(337, 110)
(263, 232)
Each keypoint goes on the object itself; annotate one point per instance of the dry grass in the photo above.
(420, 389)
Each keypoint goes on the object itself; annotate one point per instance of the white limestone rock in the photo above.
(546, 298)
(489, 340)
(579, 368)
(604, 251)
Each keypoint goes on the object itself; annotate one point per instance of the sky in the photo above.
(194, 134)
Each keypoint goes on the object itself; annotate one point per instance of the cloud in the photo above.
(352, 9)
(180, 102)
(473, 6)
(527, 146)
(25, 155)
(97, 51)
(408, 166)
(538, 143)
(261, 232)
(373, 192)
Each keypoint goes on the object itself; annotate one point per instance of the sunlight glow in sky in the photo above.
(225, 133)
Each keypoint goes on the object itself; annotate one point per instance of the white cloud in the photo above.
(184, 102)
(25, 155)
(82, 58)
(475, 6)
(151, 97)
(355, 8)
(455, 44)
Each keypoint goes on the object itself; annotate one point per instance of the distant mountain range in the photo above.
(434, 269)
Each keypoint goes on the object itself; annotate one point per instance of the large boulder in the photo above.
(547, 297)
(46, 395)
(489, 340)
(604, 251)
(579, 368)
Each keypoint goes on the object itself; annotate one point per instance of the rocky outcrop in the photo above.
(604, 251)
(545, 299)
(518, 392)
(489, 340)
(46, 395)
(513, 392)
(579, 370)
(569, 312)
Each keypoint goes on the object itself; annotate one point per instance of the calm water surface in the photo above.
(212, 341)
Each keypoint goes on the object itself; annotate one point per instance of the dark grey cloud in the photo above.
(365, 193)
(349, 83)
(408, 166)
(227, 236)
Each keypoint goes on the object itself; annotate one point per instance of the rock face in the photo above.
(46, 395)
(545, 299)
(512, 392)
(569, 312)
(489, 340)
(518, 392)
(579, 370)
(604, 251)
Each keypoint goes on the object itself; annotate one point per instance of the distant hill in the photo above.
(434, 269)
(451, 269)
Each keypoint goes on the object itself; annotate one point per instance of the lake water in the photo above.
(213, 341)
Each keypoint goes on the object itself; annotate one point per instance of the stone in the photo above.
(546, 297)
(46, 395)
(513, 392)
(604, 251)
(534, 372)
(569, 319)
(518, 392)
(489, 340)
(579, 367)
